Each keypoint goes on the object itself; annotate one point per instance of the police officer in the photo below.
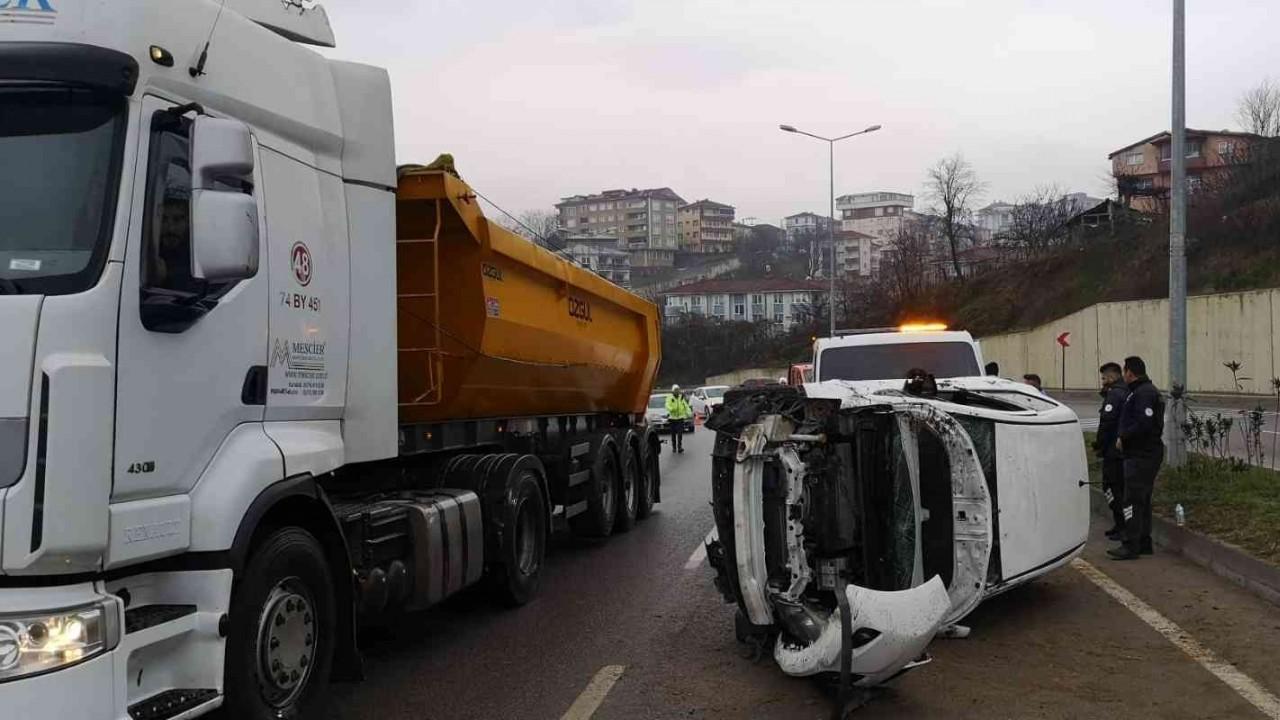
(1141, 422)
(678, 414)
(1114, 391)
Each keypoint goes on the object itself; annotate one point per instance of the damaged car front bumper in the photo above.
(848, 533)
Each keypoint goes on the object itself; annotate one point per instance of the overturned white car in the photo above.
(855, 519)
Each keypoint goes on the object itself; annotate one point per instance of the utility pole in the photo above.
(1177, 448)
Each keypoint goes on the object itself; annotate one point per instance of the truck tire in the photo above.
(283, 622)
(601, 493)
(522, 517)
(650, 476)
(631, 482)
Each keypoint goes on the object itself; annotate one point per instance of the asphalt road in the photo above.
(1060, 647)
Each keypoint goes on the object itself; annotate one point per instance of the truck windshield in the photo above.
(59, 166)
(893, 361)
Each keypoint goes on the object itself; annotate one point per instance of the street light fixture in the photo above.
(831, 220)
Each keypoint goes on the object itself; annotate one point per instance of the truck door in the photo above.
(189, 351)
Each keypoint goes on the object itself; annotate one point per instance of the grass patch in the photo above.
(1240, 507)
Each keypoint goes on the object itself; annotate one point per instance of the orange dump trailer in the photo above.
(492, 326)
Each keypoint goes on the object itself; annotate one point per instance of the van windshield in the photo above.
(59, 166)
(893, 361)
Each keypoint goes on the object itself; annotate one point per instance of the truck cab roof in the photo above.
(942, 353)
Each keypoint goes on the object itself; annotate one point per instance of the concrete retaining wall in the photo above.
(737, 376)
(1231, 326)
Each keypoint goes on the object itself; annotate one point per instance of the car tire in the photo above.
(283, 629)
(601, 493)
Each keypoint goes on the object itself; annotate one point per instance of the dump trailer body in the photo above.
(492, 326)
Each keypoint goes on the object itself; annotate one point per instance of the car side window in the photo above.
(172, 299)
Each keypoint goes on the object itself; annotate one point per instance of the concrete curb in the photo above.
(1227, 561)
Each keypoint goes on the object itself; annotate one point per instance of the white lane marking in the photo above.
(700, 552)
(589, 701)
(1244, 685)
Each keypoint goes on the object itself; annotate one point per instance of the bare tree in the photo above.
(1038, 221)
(1258, 110)
(904, 266)
(953, 187)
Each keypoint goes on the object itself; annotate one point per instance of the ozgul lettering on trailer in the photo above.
(493, 272)
(300, 261)
(305, 370)
(579, 308)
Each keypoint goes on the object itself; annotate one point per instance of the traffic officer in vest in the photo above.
(1141, 423)
(679, 412)
(1114, 392)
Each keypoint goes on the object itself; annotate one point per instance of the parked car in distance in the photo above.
(707, 398)
(655, 415)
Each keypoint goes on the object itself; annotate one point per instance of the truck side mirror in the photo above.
(224, 223)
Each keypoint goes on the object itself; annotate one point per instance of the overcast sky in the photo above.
(546, 98)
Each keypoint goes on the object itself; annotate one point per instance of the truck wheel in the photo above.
(280, 645)
(601, 494)
(650, 476)
(631, 481)
(524, 520)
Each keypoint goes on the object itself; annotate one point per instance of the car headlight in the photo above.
(34, 643)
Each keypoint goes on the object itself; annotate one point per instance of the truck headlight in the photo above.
(34, 643)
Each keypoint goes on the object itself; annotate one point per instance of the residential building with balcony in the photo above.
(779, 301)
(706, 226)
(600, 254)
(804, 227)
(644, 221)
(1143, 170)
(858, 254)
(869, 226)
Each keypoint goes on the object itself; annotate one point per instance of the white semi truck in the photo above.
(255, 383)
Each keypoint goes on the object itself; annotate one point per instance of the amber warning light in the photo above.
(922, 327)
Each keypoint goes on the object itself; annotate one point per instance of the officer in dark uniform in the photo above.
(1114, 392)
(1141, 422)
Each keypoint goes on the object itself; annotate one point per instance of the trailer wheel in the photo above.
(602, 492)
(631, 480)
(524, 531)
(280, 644)
(650, 476)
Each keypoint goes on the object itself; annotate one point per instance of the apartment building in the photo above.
(803, 227)
(776, 300)
(858, 254)
(600, 254)
(1143, 170)
(706, 226)
(869, 225)
(643, 220)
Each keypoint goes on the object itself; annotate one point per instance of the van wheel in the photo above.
(280, 645)
(524, 543)
(632, 484)
(602, 492)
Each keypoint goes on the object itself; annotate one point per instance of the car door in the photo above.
(187, 349)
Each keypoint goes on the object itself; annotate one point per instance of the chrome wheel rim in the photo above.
(286, 642)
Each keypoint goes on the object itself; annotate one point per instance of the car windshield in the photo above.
(657, 401)
(893, 361)
(715, 392)
(59, 164)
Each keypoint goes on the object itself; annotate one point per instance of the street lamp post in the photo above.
(831, 218)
